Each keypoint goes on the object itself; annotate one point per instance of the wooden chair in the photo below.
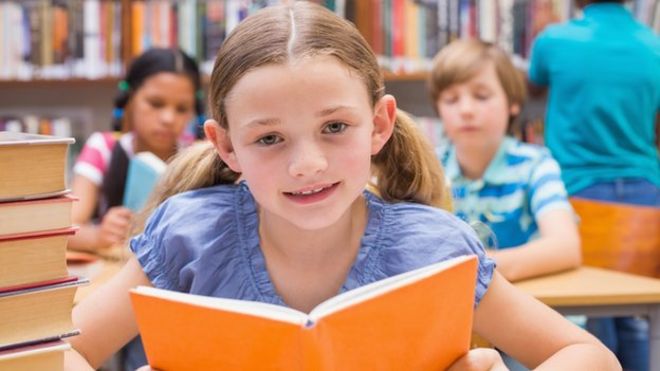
(619, 236)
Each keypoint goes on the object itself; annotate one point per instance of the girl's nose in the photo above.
(167, 115)
(307, 160)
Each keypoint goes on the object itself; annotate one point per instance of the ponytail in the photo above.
(198, 166)
(406, 169)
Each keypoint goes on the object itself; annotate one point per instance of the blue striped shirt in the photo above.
(521, 183)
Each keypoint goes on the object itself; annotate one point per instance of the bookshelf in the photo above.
(70, 53)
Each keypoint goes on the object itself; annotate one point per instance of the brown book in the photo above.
(35, 215)
(38, 357)
(33, 166)
(33, 257)
(34, 314)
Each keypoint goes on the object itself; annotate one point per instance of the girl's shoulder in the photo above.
(417, 227)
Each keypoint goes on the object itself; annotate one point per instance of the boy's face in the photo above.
(160, 110)
(302, 135)
(476, 113)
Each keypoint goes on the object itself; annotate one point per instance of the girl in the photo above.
(512, 187)
(155, 102)
(300, 115)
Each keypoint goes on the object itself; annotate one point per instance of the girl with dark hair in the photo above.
(273, 208)
(158, 98)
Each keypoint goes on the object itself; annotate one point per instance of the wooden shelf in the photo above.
(83, 82)
(56, 83)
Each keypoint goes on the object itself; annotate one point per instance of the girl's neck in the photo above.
(281, 238)
(474, 161)
(308, 267)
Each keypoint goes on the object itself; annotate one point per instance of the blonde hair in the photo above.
(462, 59)
(406, 169)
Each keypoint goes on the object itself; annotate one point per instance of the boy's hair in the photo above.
(405, 169)
(150, 63)
(462, 59)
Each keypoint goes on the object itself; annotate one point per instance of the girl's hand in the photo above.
(146, 368)
(114, 227)
(479, 359)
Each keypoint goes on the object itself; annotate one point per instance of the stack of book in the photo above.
(36, 290)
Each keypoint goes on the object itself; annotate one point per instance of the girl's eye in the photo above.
(334, 127)
(182, 109)
(269, 140)
(450, 100)
(482, 96)
(156, 104)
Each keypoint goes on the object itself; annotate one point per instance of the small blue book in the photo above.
(144, 170)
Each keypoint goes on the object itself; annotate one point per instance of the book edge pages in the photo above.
(81, 281)
(12, 346)
(36, 349)
(374, 289)
(20, 139)
(253, 308)
(36, 196)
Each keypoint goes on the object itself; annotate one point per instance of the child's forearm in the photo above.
(73, 361)
(582, 357)
(85, 239)
(535, 258)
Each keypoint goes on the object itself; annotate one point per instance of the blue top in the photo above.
(521, 183)
(206, 242)
(604, 76)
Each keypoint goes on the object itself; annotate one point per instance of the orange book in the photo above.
(419, 320)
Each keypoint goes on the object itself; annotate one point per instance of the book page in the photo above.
(377, 288)
(272, 311)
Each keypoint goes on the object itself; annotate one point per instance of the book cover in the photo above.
(32, 165)
(33, 257)
(42, 356)
(33, 314)
(35, 215)
(144, 169)
(417, 320)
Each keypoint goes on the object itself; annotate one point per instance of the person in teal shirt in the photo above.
(603, 71)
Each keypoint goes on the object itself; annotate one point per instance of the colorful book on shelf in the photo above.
(144, 170)
(419, 320)
(36, 313)
(25, 216)
(33, 166)
(43, 356)
(33, 257)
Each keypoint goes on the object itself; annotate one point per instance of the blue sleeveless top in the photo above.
(206, 242)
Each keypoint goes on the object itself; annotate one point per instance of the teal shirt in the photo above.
(603, 71)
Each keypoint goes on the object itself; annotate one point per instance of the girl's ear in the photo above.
(515, 109)
(384, 119)
(219, 136)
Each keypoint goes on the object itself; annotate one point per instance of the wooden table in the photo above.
(589, 291)
(598, 292)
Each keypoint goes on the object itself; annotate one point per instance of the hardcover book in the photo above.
(419, 320)
(35, 215)
(37, 313)
(43, 356)
(33, 257)
(33, 166)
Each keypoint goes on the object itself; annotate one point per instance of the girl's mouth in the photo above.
(312, 195)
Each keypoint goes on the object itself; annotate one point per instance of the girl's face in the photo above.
(160, 110)
(476, 113)
(302, 134)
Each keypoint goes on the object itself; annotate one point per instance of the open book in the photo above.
(144, 170)
(419, 320)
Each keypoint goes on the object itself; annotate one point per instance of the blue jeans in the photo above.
(627, 337)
